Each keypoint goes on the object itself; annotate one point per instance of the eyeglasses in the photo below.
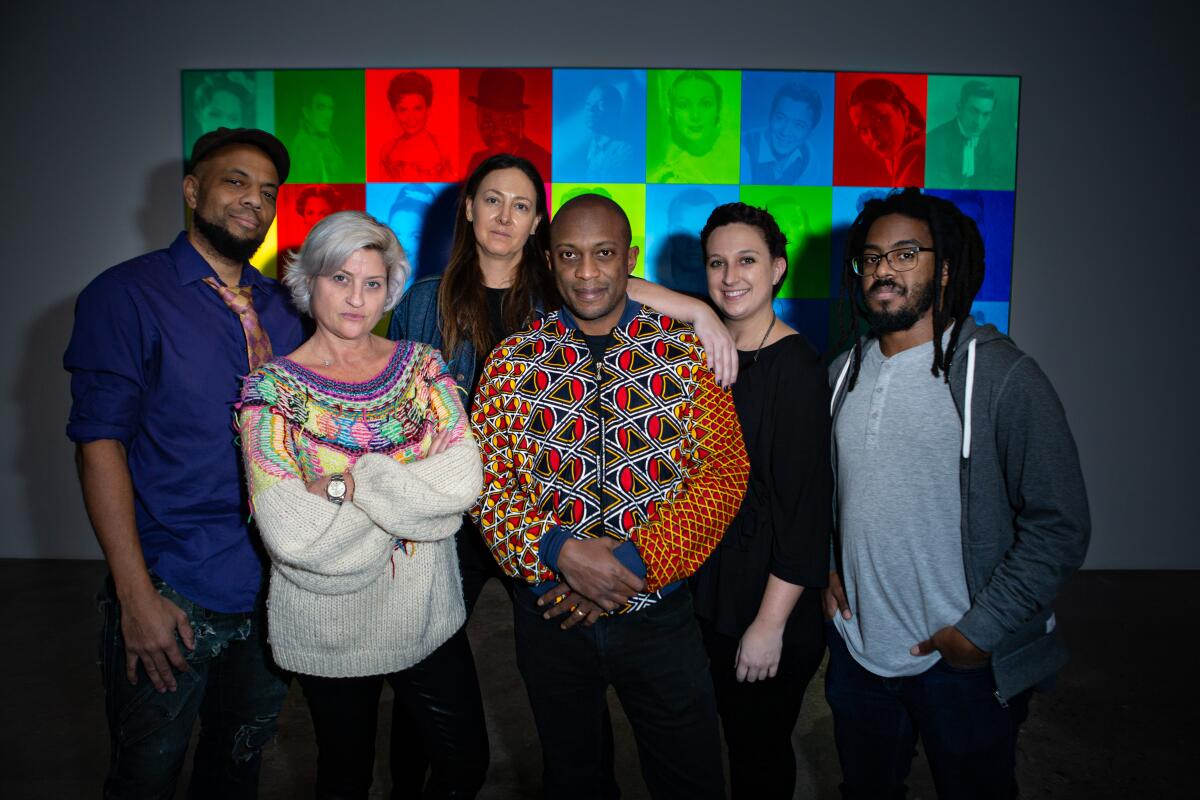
(902, 259)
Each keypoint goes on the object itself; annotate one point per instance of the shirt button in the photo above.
(460, 378)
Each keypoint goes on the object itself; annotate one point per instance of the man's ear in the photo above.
(945, 273)
(631, 258)
(191, 191)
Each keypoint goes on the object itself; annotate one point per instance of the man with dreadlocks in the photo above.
(961, 511)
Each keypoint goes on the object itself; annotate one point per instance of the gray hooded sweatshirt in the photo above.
(1025, 520)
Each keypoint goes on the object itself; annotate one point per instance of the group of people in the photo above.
(681, 501)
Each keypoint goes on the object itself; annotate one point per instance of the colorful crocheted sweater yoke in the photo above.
(316, 426)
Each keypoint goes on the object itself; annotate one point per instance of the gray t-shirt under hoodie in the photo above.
(899, 439)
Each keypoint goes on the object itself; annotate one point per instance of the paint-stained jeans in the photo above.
(231, 684)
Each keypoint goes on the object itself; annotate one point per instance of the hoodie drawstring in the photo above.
(837, 387)
(966, 450)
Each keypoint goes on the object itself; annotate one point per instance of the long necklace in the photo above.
(764, 338)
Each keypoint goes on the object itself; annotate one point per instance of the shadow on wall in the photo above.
(162, 213)
(437, 233)
(57, 526)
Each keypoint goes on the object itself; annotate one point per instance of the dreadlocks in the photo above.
(956, 243)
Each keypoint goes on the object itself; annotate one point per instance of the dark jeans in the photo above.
(655, 661)
(439, 699)
(969, 737)
(231, 684)
(758, 718)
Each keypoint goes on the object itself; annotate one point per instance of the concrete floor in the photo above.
(1120, 724)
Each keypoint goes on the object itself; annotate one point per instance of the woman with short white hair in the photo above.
(360, 463)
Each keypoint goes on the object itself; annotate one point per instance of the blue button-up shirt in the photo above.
(156, 361)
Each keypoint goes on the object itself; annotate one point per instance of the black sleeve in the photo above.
(802, 480)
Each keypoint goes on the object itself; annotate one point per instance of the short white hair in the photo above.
(329, 246)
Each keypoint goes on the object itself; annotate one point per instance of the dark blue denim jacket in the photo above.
(416, 318)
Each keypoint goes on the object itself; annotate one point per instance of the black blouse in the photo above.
(783, 527)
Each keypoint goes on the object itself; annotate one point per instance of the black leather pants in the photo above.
(437, 710)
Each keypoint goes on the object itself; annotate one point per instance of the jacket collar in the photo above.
(629, 313)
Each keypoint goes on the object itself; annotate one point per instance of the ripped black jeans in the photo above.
(232, 685)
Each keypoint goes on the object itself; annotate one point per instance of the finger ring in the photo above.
(581, 612)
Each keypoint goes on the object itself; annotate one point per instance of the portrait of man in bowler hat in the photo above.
(500, 116)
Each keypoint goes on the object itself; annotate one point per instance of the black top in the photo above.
(495, 303)
(783, 527)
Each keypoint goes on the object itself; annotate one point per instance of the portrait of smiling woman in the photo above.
(696, 135)
(360, 464)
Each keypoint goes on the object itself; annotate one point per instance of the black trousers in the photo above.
(655, 660)
(478, 567)
(758, 718)
(437, 712)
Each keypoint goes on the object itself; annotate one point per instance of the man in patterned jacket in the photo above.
(613, 464)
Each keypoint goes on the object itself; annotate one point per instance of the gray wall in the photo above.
(1100, 296)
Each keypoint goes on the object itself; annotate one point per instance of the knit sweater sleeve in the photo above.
(423, 499)
(689, 525)
(318, 545)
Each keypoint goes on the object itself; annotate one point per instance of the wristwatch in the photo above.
(335, 490)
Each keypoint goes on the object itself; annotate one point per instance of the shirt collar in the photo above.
(632, 309)
(191, 266)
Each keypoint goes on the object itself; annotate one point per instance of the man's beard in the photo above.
(225, 243)
(906, 315)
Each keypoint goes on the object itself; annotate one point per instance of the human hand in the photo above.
(563, 600)
(148, 624)
(594, 572)
(439, 443)
(758, 652)
(319, 486)
(833, 598)
(956, 649)
(718, 346)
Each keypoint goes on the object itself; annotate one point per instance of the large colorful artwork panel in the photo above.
(668, 145)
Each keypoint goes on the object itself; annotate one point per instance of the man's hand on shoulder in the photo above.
(592, 570)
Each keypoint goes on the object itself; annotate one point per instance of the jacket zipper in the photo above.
(603, 485)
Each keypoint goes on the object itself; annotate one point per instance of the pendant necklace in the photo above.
(764, 338)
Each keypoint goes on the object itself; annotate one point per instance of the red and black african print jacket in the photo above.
(642, 446)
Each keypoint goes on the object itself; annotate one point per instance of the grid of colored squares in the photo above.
(667, 145)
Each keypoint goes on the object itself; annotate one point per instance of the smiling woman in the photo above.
(360, 465)
(756, 595)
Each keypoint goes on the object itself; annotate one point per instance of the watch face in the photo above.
(336, 488)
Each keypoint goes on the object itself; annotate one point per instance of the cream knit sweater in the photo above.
(347, 596)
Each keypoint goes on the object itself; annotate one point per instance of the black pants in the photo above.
(410, 767)
(437, 712)
(655, 660)
(758, 718)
